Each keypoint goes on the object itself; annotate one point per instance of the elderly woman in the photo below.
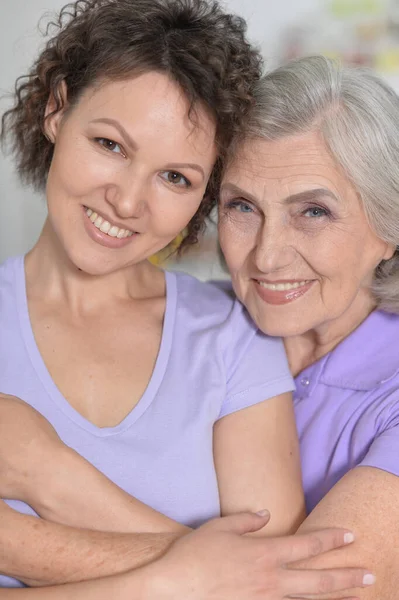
(309, 227)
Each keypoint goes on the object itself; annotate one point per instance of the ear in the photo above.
(57, 104)
(389, 252)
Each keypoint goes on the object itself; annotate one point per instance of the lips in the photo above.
(106, 227)
(283, 286)
(101, 231)
(282, 292)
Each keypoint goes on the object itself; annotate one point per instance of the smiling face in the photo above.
(128, 173)
(295, 236)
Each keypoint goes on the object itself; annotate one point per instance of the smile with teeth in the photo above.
(283, 287)
(106, 227)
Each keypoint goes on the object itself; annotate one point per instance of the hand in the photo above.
(218, 562)
(29, 450)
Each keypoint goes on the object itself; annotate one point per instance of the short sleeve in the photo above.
(383, 452)
(256, 365)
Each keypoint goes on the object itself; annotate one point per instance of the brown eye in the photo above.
(175, 178)
(109, 145)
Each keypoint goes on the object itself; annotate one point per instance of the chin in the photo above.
(276, 325)
(278, 329)
(91, 263)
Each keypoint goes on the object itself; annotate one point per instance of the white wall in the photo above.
(21, 211)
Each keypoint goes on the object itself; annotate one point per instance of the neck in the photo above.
(306, 348)
(52, 275)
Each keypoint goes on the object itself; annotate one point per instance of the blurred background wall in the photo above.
(361, 31)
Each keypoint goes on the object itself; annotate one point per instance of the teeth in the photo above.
(106, 227)
(282, 287)
(113, 232)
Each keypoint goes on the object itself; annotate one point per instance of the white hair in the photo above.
(358, 116)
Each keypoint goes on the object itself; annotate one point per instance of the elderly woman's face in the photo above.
(295, 235)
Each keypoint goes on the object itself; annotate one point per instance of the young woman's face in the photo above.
(295, 236)
(129, 171)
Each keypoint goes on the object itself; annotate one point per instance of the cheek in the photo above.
(237, 238)
(75, 172)
(172, 213)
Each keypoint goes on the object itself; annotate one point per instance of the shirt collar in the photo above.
(367, 357)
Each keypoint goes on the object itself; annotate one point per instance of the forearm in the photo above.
(137, 585)
(58, 483)
(42, 553)
(79, 495)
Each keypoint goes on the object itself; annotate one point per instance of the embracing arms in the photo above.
(216, 562)
(58, 553)
(118, 532)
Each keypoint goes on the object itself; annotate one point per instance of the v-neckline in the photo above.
(52, 389)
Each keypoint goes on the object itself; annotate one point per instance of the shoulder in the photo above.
(8, 266)
(7, 275)
(214, 305)
(199, 296)
(367, 359)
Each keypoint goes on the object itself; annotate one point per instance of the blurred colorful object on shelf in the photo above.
(362, 32)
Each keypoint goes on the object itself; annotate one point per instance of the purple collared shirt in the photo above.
(347, 407)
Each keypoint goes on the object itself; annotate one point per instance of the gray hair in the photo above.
(358, 116)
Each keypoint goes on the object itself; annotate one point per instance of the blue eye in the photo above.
(109, 145)
(175, 178)
(315, 212)
(240, 206)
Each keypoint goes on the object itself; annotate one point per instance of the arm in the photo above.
(257, 463)
(37, 468)
(216, 561)
(366, 501)
(134, 586)
(41, 553)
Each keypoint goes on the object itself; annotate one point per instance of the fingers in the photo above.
(299, 547)
(302, 582)
(240, 523)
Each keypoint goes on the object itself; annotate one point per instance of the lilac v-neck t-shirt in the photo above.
(212, 362)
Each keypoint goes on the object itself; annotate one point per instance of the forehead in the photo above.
(298, 162)
(150, 105)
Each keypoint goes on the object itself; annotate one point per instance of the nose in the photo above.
(127, 197)
(274, 249)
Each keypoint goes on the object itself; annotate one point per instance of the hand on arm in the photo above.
(216, 562)
(257, 463)
(366, 501)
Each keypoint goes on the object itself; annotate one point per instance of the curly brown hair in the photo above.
(199, 46)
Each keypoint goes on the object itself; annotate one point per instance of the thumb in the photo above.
(240, 523)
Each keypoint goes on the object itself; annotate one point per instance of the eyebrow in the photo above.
(127, 138)
(186, 166)
(130, 142)
(309, 195)
(235, 189)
